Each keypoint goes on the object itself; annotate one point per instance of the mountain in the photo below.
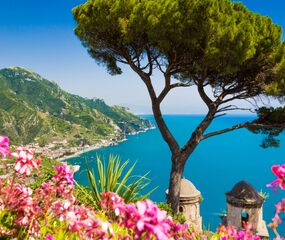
(34, 109)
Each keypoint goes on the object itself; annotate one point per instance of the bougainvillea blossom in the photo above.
(4, 147)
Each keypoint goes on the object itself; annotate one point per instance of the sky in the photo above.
(38, 34)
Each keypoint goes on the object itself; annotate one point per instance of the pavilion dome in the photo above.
(187, 189)
(244, 195)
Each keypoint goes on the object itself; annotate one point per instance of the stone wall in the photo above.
(234, 216)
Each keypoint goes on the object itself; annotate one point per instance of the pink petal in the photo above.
(17, 166)
(141, 207)
(140, 225)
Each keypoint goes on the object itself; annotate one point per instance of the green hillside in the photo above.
(33, 109)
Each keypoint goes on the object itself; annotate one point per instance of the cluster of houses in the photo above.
(55, 150)
(61, 149)
(244, 204)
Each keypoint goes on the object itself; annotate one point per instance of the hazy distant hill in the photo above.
(33, 109)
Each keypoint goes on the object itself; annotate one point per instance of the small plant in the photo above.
(263, 194)
(167, 207)
(114, 177)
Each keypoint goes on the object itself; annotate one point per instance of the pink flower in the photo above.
(146, 219)
(4, 147)
(280, 207)
(204, 237)
(276, 220)
(25, 162)
(49, 237)
(279, 171)
(19, 197)
(230, 232)
(80, 219)
(111, 202)
(63, 175)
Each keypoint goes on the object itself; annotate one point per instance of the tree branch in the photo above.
(158, 64)
(208, 101)
(166, 90)
(197, 135)
(232, 108)
(235, 127)
(243, 125)
(164, 130)
(219, 115)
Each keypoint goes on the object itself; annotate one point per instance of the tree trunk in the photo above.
(177, 169)
(173, 194)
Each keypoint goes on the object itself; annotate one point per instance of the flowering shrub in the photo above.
(144, 218)
(51, 211)
(229, 232)
(279, 171)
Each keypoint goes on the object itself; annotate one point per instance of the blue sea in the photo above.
(215, 167)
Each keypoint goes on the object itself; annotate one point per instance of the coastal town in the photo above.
(61, 150)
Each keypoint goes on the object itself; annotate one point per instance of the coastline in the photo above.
(103, 144)
(90, 148)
